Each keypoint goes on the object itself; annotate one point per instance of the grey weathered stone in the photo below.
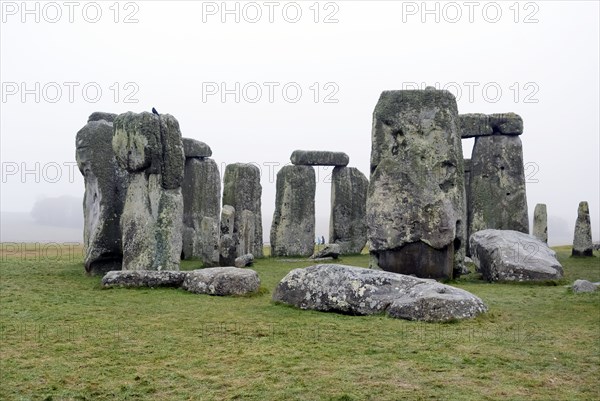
(201, 190)
(149, 147)
(506, 124)
(100, 115)
(293, 228)
(104, 197)
(354, 290)
(582, 240)
(195, 148)
(415, 205)
(348, 221)
(596, 246)
(244, 260)
(497, 197)
(227, 250)
(319, 158)
(540, 222)
(477, 124)
(467, 170)
(507, 255)
(329, 251)
(242, 190)
(580, 286)
(143, 278)
(222, 281)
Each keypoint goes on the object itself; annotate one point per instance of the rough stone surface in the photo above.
(227, 250)
(222, 281)
(497, 197)
(506, 255)
(143, 278)
(359, 291)
(584, 286)
(467, 169)
(477, 124)
(149, 147)
(319, 158)
(415, 205)
(201, 190)
(293, 228)
(348, 221)
(244, 260)
(506, 124)
(242, 191)
(100, 115)
(196, 149)
(596, 246)
(104, 196)
(582, 240)
(540, 222)
(329, 251)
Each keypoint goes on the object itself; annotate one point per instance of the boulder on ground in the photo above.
(358, 291)
(584, 286)
(244, 260)
(329, 251)
(222, 281)
(506, 255)
(143, 278)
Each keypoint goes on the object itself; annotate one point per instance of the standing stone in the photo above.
(467, 169)
(242, 191)
(415, 204)
(582, 240)
(348, 222)
(540, 222)
(293, 228)
(201, 207)
(104, 197)
(497, 198)
(149, 147)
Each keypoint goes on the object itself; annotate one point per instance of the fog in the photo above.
(257, 80)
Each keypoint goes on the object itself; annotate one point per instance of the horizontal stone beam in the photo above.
(195, 148)
(477, 124)
(319, 158)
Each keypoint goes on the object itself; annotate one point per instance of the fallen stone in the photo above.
(348, 221)
(222, 281)
(244, 260)
(329, 251)
(319, 158)
(193, 148)
(580, 286)
(582, 239)
(143, 278)
(506, 255)
(358, 291)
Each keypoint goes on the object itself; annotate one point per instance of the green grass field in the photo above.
(63, 337)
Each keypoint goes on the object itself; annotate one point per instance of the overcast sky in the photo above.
(256, 80)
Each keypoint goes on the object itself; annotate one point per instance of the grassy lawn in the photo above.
(63, 337)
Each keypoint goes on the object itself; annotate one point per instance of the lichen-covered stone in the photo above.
(348, 221)
(540, 222)
(244, 260)
(222, 281)
(580, 286)
(242, 191)
(582, 240)
(104, 196)
(319, 158)
(507, 255)
(293, 227)
(149, 147)
(358, 291)
(201, 209)
(477, 124)
(506, 124)
(415, 205)
(497, 197)
(328, 251)
(196, 149)
(143, 278)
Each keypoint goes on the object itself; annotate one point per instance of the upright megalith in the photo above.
(104, 197)
(497, 198)
(149, 147)
(201, 190)
(242, 191)
(293, 228)
(582, 240)
(415, 204)
(347, 224)
(540, 222)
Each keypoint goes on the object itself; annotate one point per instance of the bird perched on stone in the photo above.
(154, 111)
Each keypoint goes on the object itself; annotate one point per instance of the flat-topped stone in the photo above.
(143, 278)
(195, 148)
(478, 124)
(319, 158)
(222, 281)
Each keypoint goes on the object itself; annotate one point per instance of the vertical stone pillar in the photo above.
(149, 147)
(293, 228)
(348, 224)
(415, 205)
(540, 222)
(582, 240)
